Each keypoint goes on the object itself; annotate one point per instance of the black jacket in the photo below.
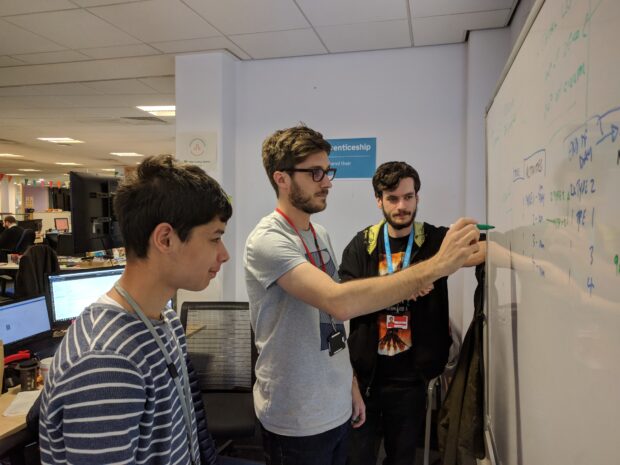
(10, 237)
(431, 337)
(460, 425)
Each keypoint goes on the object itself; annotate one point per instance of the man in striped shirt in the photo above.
(118, 391)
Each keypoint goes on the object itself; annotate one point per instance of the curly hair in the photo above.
(389, 174)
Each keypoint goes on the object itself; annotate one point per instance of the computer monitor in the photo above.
(23, 320)
(61, 224)
(70, 293)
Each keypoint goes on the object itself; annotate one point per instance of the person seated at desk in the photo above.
(11, 236)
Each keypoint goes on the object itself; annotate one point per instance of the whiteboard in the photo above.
(553, 280)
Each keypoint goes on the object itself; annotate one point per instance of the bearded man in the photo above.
(305, 396)
(397, 350)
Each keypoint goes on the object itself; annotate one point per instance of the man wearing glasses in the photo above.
(305, 397)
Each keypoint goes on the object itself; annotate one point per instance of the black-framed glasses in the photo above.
(317, 173)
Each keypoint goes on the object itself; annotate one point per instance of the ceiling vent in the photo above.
(145, 119)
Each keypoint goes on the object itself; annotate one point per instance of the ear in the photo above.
(163, 237)
(379, 202)
(282, 180)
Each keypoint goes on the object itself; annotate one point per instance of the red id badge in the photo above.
(397, 321)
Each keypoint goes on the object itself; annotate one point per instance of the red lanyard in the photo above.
(316, 242)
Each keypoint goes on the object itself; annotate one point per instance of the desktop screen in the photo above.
(61, 224)
(70, 293)
(22, 320)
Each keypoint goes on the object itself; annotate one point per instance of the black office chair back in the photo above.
(221, 344)
(36, 262)
(27, 239)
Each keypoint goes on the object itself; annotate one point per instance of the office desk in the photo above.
(10, 425)
(82, 266)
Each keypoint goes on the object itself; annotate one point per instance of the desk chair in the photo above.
(38, 261)
(220, 345)
(27, 239)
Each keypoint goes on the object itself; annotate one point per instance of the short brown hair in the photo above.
(162, 190)
(287, 147)
(9, 219)
(389, 174)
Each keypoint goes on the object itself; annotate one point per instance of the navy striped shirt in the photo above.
(109, 397)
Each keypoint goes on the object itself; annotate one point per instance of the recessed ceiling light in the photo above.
(61, 140)
(10, 155)
(160, 110)
(14, 174)
(126, 154)
(28, 170)
(108, 169)
(68, 163)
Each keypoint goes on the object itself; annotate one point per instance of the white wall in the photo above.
(424, 105)
(411, 100)
(487, 52)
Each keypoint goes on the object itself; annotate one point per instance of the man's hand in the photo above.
(460, 243)
(358, 417)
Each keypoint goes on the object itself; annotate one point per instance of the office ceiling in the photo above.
(79, 68)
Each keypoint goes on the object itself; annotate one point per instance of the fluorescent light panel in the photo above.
(10, 155)
(126, 154)
(61, 140)
(159, 110)
(28, 170)
(68, 163)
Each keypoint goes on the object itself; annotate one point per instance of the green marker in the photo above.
(484, 227)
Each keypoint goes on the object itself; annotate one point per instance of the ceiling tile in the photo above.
(107, 101)
(14, 40)
(64, 56)
(199, 45)
(449, 29)
(73, 29)
(89, 3)
(163, 85)
(331, 13)
(120, 51)
(48, 89)
(280, 43)
(366, 36)
(119, 87)
(422, 8)
(17, 7)
(9, 61)
(157, 20)
(249, 16)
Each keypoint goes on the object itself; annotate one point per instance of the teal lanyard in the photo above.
(182, 389)
(388, 250)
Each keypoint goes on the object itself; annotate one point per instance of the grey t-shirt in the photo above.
(300, 390)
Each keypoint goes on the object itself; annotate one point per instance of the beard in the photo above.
(306, 203)
(396, 225)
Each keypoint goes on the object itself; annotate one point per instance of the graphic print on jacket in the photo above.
(394, 322)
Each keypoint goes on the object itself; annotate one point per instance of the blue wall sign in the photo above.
(354, 158)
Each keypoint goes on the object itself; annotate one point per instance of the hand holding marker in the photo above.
(482, 227)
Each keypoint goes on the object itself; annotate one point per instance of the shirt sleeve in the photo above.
(271, 254)
(94, 412)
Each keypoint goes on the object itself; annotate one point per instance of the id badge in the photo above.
(396, 321)
(336, 343)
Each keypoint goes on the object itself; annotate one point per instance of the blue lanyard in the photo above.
(388, 249)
